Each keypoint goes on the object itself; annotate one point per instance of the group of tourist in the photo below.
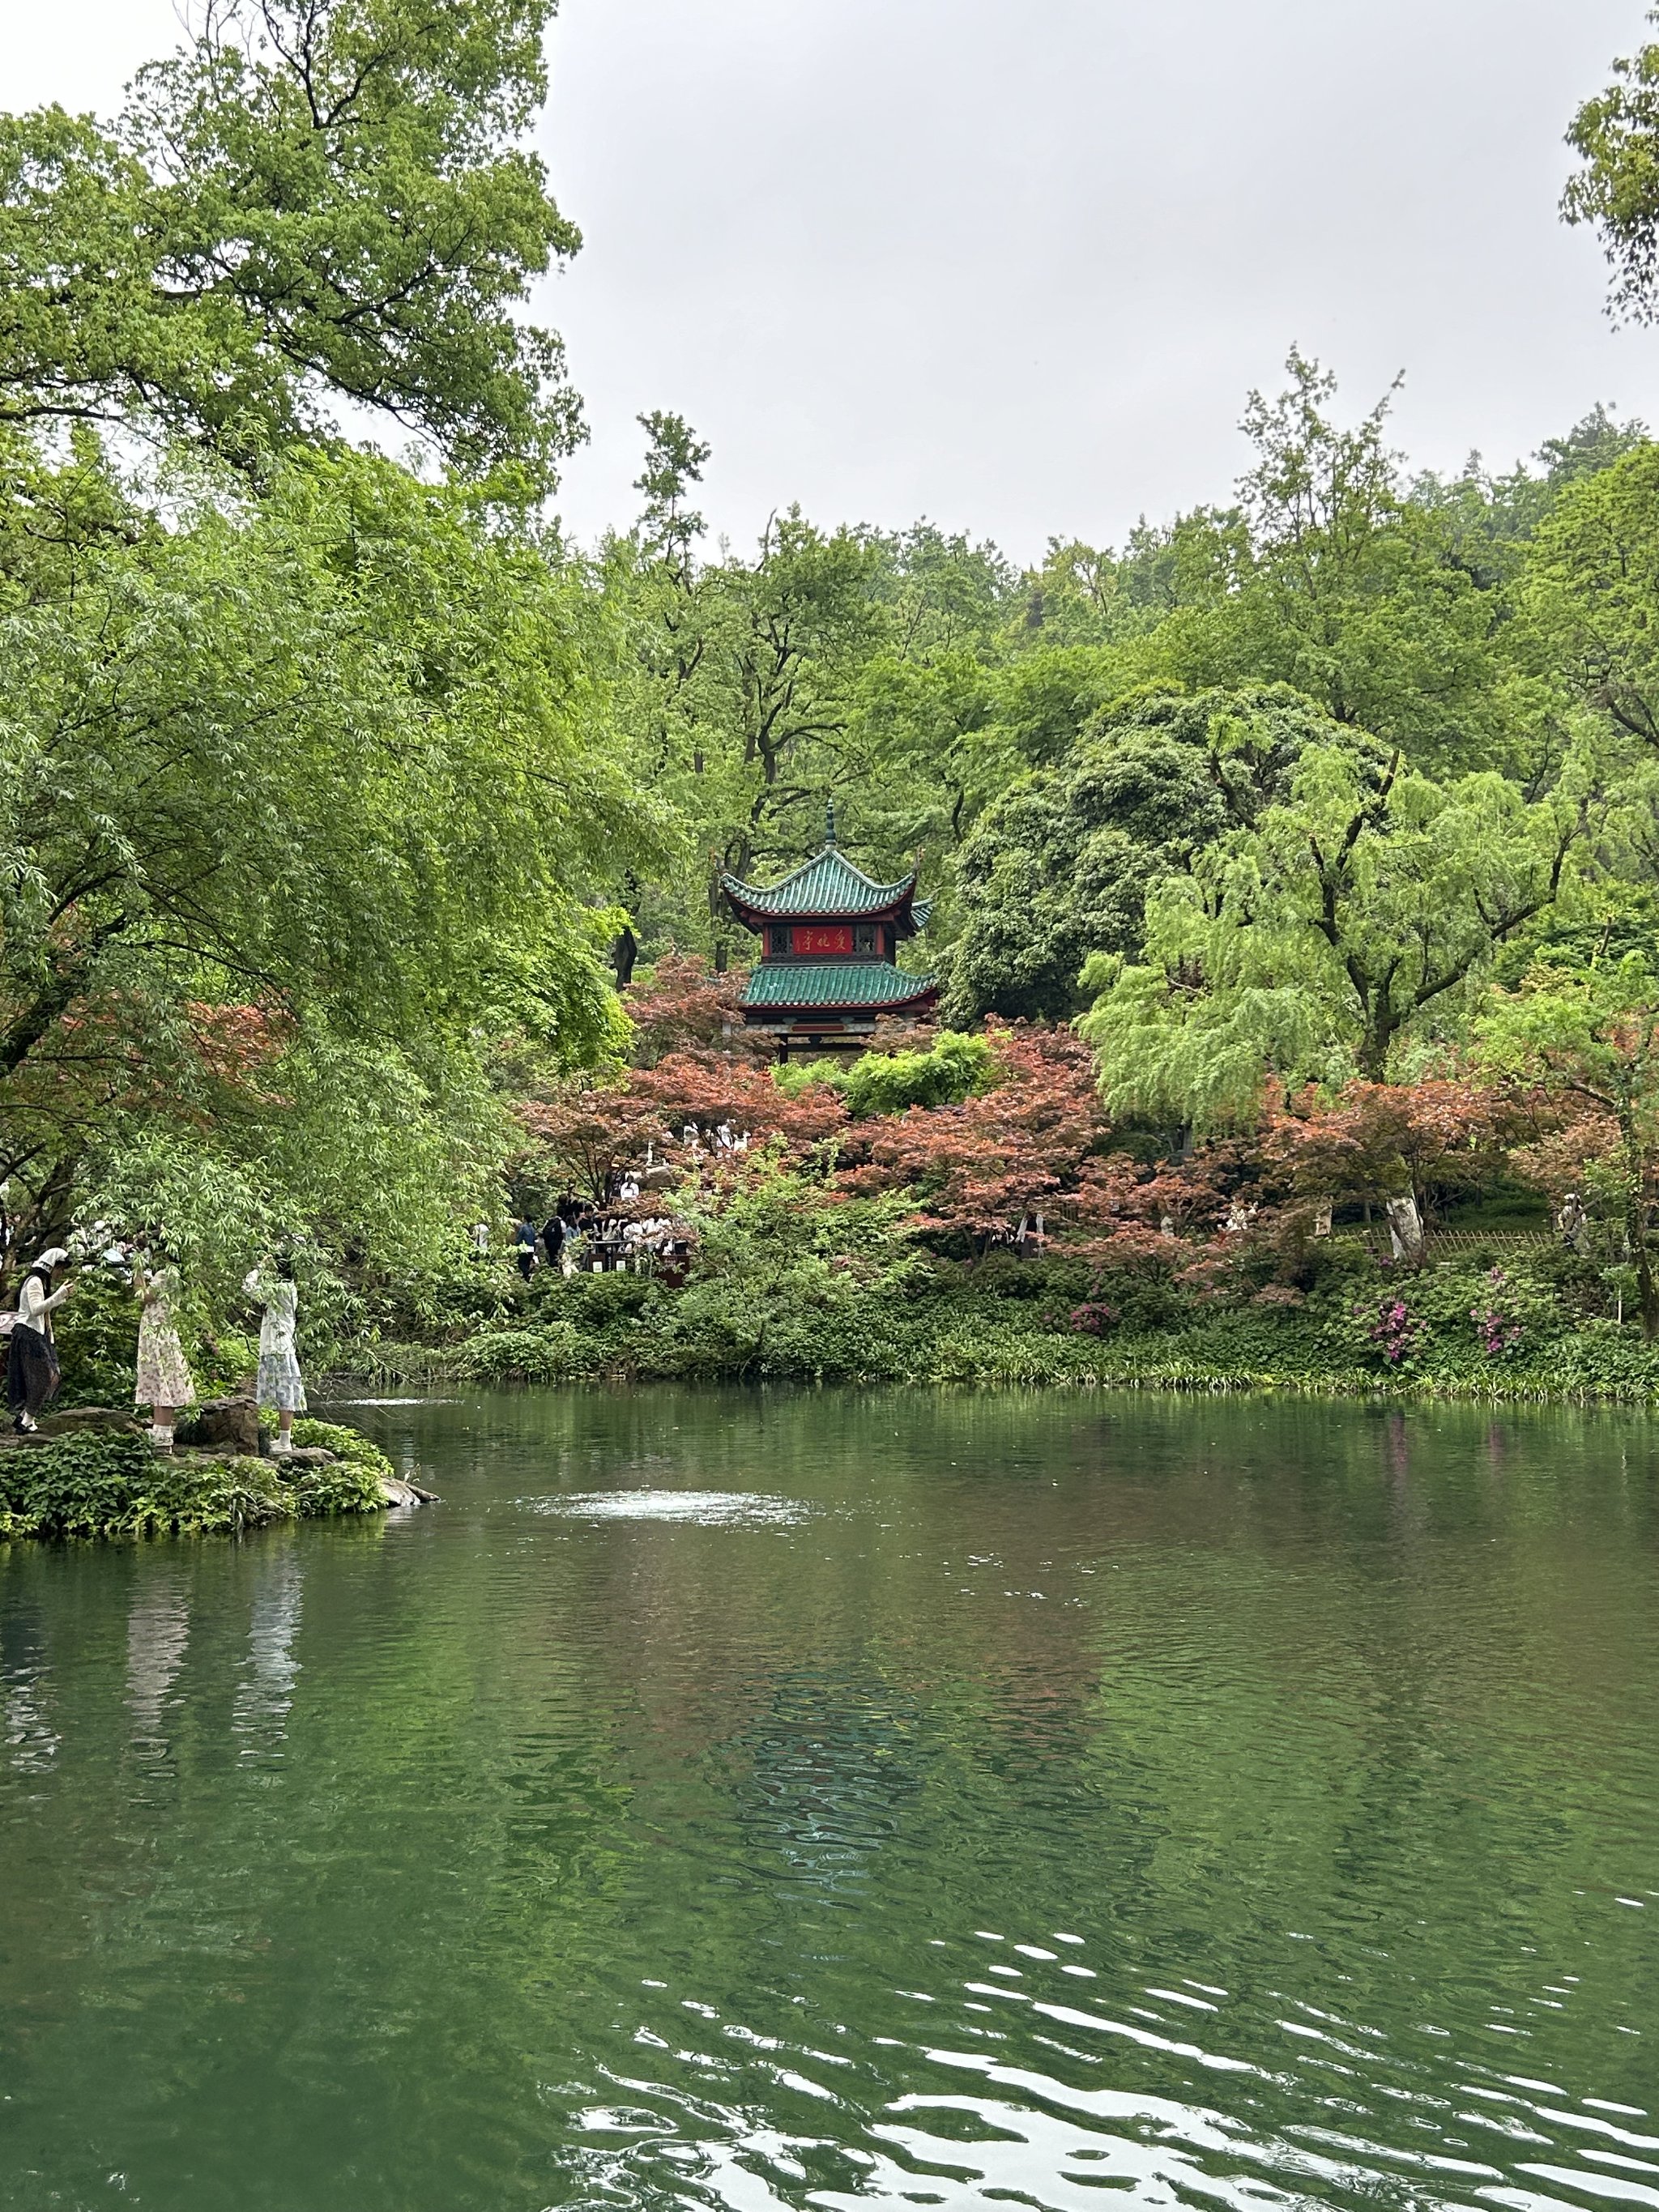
(163, 1383)
(578, 1235)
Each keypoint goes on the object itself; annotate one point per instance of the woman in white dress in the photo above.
(32, 1371)
(280, 1385)
(163, 1382)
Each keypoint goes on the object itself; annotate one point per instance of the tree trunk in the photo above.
(1373, 1053)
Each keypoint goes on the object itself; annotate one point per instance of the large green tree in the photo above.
(1059, 866)
(313, 200)
(1591, 588)
(1616, 189)
(330, 756)
(305, 791)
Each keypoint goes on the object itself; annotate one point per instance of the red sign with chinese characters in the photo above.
(834, 937)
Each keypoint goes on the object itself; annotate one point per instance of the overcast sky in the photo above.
(1015, 266)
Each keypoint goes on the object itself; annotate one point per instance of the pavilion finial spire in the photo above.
(829, 822)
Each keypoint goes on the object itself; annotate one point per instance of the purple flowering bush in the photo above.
(1391, 1328)
(1094, 1318)
(1514, 1316)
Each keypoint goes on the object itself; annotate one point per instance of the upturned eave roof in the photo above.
(827, 888)
(816, 986)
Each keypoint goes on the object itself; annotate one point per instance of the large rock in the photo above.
(227, 1424)
(73, 1418)
(396, 1491)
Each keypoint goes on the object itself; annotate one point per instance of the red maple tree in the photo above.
(1018, 1150)
(675, 1116)
(1437, 1137)
(683, 1003)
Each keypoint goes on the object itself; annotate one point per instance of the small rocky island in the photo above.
(92, 1472)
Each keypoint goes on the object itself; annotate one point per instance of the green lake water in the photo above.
(764, 1800)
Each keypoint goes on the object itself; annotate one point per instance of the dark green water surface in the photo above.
(775, 1800)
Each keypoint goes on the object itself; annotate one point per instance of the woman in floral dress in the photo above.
(280, 1385)
(163, 1382)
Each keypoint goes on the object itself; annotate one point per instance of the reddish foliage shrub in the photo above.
(683, 1003)
(1019, 1149)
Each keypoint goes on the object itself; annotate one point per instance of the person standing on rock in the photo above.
(163, 1382)
(280, 1386)
(32, 1369)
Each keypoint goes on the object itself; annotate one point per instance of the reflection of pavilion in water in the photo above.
(833, 1759)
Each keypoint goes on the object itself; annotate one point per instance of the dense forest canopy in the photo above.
(1056, 741)
(340, 794)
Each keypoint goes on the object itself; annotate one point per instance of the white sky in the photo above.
(1015, 265)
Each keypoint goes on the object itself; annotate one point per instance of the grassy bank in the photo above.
(1475, 1328)
(111, 1483)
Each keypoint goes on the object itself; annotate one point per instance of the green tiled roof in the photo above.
(803, 983)
(827, 885)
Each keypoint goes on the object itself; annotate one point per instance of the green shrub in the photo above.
(889, 1083)
(96, 1330)
(1054, 1280)
(352, 1485)
(113, 1483)
(1601, 1358)
(346, 1444)
(595, 1301)
(522, 1355)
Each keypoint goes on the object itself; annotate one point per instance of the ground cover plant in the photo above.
(109, 1483)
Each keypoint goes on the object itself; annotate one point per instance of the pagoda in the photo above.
(828, 935)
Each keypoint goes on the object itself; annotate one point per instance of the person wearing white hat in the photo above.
(31, 1369)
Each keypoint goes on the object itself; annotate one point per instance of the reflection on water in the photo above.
(158, 1629)
(780, 1800)
(266, 1689)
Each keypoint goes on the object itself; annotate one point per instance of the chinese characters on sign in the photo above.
(834, 937)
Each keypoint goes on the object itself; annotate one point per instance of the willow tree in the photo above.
(1317, 940)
